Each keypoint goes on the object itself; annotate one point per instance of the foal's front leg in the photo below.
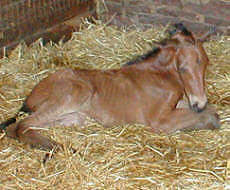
(186, 119)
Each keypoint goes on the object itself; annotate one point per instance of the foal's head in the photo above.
(191, 63)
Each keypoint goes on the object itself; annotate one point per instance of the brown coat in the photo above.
(147, 91)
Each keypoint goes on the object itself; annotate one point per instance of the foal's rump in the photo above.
(62, 88)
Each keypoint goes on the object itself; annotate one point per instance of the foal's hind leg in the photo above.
(28, 130)
(185, 119)
(30, 135)
(60, 107)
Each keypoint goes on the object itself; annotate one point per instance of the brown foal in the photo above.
(147, 90)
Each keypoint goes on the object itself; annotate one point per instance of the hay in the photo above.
(120, 157)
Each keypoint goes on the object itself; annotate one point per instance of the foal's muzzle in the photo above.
(195, 107)
(198, 104)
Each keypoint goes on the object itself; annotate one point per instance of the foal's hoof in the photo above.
(50, 155)
(215, 121)
(211, 121)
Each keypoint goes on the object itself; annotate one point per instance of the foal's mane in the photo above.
(177, 27)
(143, 57)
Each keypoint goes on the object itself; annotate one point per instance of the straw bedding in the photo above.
(120, 157)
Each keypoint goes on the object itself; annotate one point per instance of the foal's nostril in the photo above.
(195, 105)
(196, 108)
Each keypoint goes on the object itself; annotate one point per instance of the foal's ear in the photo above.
(178, 27)
(207, 36)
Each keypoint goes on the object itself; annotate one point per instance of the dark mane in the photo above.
(150, 53)
(176, 27)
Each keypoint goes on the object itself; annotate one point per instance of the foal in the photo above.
(147, 90)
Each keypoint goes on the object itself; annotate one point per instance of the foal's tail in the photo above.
(6, 123)
(12, 120)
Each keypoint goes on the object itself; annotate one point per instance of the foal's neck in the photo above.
(162, 62)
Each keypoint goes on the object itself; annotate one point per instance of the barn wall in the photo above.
(30, 20)
(53, 19)
(197, 14)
